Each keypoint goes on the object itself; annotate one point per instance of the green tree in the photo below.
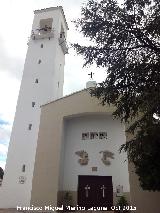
(1, 173)
(125, 40)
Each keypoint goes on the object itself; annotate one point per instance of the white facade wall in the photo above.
(23, 142)
(73, 142)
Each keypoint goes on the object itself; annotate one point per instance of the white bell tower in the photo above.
(42, 82)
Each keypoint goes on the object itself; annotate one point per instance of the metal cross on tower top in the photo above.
(91, 75)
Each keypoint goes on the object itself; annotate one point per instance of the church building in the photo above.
(65, 150)
(78, 148)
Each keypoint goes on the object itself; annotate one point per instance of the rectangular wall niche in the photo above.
(94, 169)
(85, 136)
(94, 135)
(102, 135)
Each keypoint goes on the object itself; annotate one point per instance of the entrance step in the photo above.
(11, 210)
(94, 212)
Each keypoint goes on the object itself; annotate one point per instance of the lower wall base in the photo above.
(70, 198)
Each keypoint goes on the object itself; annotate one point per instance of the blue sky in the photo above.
(2, 122)
(16, 18)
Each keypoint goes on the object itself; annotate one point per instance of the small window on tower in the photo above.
(29, 126)
(62, 33)
(23, 168)
(58, 84)
(39, 61)
(41, 45)
(33, 104)
(36, 81)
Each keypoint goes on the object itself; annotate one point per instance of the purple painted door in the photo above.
(95, 191)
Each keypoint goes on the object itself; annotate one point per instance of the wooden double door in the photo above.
(95, 191)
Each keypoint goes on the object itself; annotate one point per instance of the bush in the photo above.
(122, 202)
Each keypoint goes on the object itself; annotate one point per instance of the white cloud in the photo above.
(2, 164)
(3, 149)
(4, 135)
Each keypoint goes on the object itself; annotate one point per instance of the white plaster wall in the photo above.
(23, 142)
(73, 142)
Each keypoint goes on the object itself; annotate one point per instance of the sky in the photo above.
(16, 17)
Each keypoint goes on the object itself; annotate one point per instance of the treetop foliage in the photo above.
(125, 40)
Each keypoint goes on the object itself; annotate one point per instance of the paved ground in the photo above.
(9, 211)
(15, 211)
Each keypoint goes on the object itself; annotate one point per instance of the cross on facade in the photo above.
(86, 189)
(91, 75)
(103, 190)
